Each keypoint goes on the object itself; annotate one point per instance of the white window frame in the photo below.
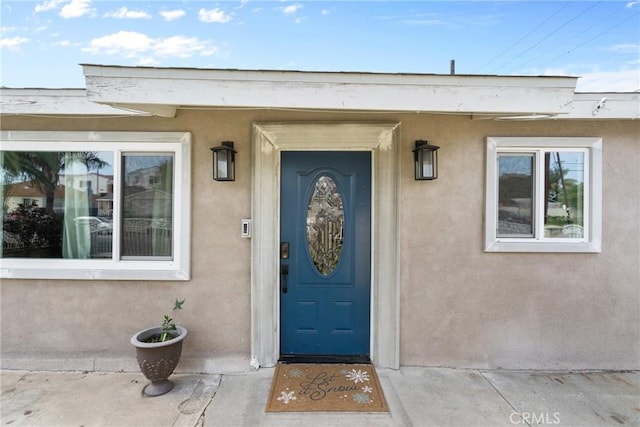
(592, 239)
(177, 268)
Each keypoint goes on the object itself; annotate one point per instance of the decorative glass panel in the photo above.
(325, 222)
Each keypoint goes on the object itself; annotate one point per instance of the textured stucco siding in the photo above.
(460, 306)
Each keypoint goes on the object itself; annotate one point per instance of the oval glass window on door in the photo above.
(325, 225)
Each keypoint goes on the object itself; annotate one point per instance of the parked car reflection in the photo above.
(95, 223)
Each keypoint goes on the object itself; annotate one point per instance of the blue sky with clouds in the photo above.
(42, 42)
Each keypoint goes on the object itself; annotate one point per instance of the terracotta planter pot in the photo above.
(158, 360)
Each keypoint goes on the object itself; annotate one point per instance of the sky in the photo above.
(43, 42)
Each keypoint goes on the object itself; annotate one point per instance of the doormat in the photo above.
(306, 387)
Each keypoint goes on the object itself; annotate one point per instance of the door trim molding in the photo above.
(268, 140)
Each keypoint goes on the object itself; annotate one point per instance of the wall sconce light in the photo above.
(426, 159)
(224, 162)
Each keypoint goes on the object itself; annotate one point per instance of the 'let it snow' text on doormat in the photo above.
(302, 387)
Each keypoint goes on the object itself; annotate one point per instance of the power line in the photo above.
(592, 38)
(523, 37)
(548, 35)
(571, 38)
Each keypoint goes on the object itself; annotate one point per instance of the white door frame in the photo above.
(269, 139)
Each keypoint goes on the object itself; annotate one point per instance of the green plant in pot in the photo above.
(158, 351)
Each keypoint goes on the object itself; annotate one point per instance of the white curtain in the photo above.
(76, 235)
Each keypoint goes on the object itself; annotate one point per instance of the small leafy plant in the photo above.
(167, 325)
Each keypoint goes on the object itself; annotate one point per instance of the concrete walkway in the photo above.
(416, 397)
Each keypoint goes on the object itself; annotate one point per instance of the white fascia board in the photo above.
(610, 106)
(587, 106)
(54, 102)
(332, 91)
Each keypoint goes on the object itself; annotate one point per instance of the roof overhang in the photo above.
(606, 106)
(66, 102)
(135, 91)
(162, 91)
(588, 106)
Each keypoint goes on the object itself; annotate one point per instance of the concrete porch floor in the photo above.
(416, 397)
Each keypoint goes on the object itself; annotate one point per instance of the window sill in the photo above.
(544, 247)
(154, 271)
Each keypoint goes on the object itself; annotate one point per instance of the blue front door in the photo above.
(325, 253)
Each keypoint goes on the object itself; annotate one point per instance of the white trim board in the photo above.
(121, 90)
(269, 140)
(191, 87)
(55, 102)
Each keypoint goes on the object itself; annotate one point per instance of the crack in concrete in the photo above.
(515, 410)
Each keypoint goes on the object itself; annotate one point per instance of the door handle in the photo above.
(284, 273)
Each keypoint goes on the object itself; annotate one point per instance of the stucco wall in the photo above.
(460, 306)
(464, 307)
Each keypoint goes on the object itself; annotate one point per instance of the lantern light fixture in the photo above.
(224, 162)
(426, 160)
